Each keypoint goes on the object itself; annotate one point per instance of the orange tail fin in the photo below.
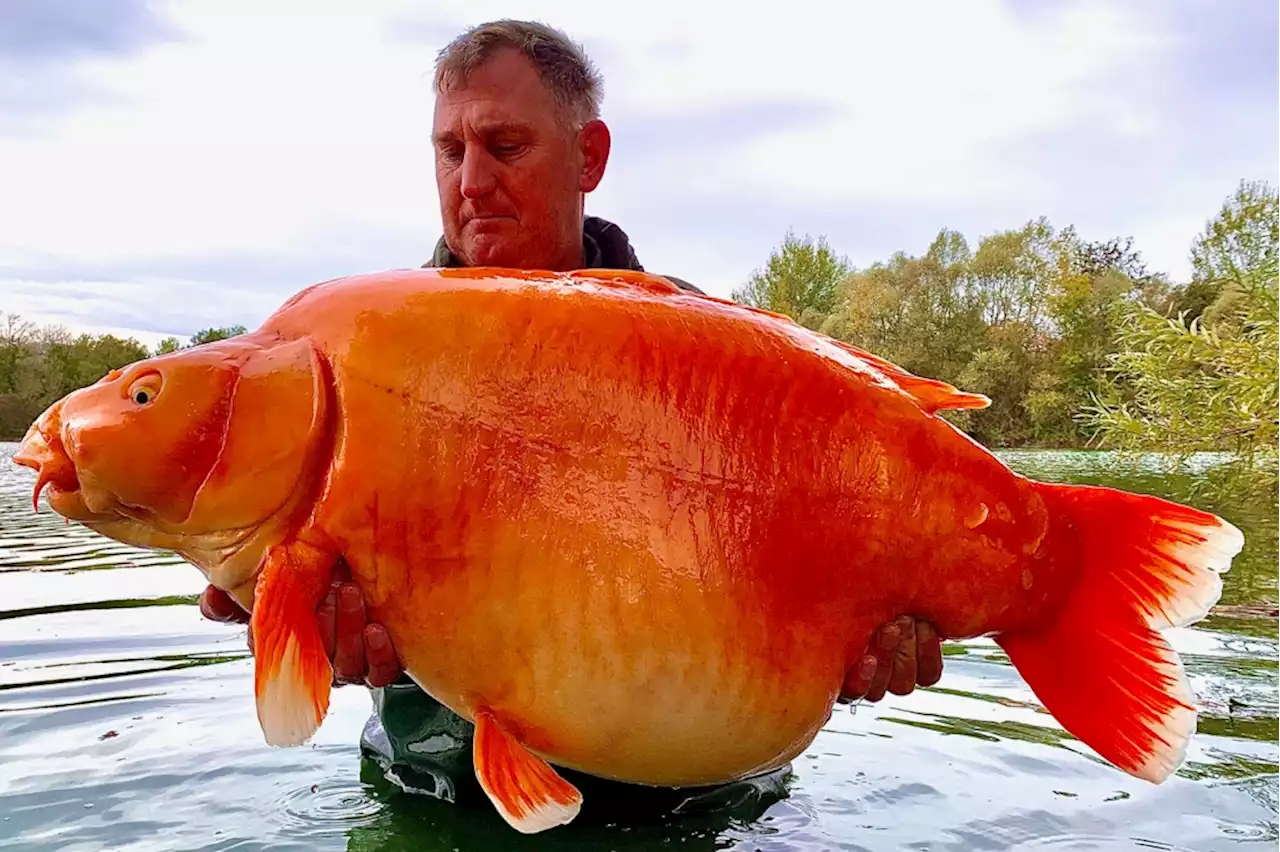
(1100, 666)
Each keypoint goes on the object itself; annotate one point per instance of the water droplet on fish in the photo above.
(1026, 578)
(977, 516)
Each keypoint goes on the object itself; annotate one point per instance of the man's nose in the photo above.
(477, 173)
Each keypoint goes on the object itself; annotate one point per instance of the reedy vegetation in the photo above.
(1075, 342)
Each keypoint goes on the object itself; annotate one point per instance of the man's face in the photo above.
(509, 172)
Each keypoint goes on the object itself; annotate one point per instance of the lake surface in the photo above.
(127, 722)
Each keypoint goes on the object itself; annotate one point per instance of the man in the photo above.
(518, 145)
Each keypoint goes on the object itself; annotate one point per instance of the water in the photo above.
(127, 722)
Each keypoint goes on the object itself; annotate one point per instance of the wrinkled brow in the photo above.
(486, 130)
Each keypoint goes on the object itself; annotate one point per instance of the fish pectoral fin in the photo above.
(292, 672)
(524, 788)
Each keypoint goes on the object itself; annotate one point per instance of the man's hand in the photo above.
(903, 654)
(360, 652)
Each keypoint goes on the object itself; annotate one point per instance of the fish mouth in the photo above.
(55, 472)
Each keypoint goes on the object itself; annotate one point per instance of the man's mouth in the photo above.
(484, 218)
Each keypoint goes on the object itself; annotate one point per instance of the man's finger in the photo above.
(902, 678)
(857, 680)
(384, 666)
(327, 620)
(884, 647)
(217, 605)
(928, 655)
(348, 657)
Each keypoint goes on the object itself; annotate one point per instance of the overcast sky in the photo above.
(170, 166)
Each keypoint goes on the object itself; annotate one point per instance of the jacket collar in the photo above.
(604, 246)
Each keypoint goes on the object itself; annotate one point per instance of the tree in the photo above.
(1242, 238)
(799, 280)
(39, 365)
(208, 335)
(1207, 383)
(84, 360)
(1012, 271)
(16, 338)
(1093, 278)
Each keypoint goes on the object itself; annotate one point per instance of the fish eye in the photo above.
(144, 389)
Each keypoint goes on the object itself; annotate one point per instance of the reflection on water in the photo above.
(127, 721)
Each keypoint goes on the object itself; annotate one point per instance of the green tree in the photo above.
(1092, 279)
(208, 335)
(799, 280)
(86, 359)
(1013, 270)
(1242, 238)
(17, 337)
(920, 312)
(1207, 383)
(38, 365)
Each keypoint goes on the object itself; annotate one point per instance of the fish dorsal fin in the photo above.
(931, 395)
(626, 278)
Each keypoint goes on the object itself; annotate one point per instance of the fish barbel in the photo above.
(623, 528)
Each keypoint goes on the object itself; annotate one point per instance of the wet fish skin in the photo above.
(627, 529)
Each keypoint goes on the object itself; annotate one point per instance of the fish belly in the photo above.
(610, 664)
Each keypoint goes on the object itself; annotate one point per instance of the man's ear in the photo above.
(593, 141)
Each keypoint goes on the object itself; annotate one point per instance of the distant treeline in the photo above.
(1073, 339)
(39, 365)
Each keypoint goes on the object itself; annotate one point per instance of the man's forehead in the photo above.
(483, 120)
(502, 92)
(488, 116)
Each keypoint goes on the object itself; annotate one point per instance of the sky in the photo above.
(170, 166)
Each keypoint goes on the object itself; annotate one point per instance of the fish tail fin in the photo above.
(292, 672)
(1099, 664)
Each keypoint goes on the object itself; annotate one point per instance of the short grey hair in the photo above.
(573, 81)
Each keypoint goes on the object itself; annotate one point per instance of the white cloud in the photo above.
(300, 132)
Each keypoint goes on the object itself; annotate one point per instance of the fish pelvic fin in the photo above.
(292, 672)
(1100, 665)
(528, 793)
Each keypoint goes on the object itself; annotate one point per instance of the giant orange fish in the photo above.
(623, 528)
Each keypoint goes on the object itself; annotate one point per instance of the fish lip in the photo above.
(33, 449)
(55, 472)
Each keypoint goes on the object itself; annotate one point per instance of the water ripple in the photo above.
(326, 804)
